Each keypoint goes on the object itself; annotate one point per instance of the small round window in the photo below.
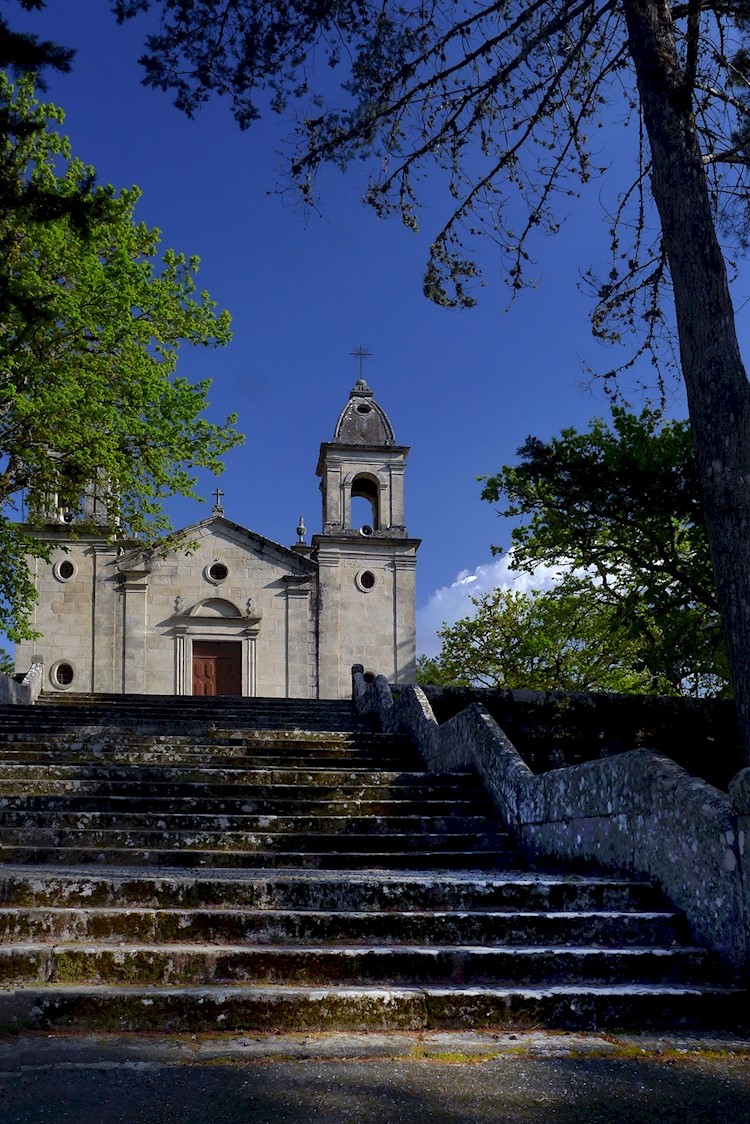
(217, 572)
(65, 570)
(62, 674)
(366, 580)
(363, 408)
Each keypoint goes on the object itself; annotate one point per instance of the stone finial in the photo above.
(218, 508)
(301, 530)
(361, 390)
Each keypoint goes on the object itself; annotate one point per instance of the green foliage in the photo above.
(620, 504)
(543, 640)
(92, 319)
(22, 53)
(430, 671)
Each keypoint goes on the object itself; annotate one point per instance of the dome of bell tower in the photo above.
(362, 421)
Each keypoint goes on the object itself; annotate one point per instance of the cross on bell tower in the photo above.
(361, 355)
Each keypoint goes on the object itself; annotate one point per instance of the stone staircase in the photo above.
(190, 865)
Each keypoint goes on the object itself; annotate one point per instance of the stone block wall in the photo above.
(636, 813)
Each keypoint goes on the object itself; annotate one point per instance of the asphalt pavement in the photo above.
(449, 1078)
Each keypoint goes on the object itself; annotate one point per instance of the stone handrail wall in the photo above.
(635, 813)
(25, 692)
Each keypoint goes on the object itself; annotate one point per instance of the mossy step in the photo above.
(156, 763)
(157, 724)
(237, 773)
(260, 841)
(30, 720)
(112, 703)
(274, 1009)
(190, 964)
(210, 775)
(115, 739)
(224, 796)
(188, 764)
(121, 806)
(227, 745)
(61, 819)
(366, 860)
(174, 790)
(261, 926)
(355, 890)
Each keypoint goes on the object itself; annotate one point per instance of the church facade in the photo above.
(225, 611)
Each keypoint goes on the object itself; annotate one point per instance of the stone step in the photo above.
(441, 860)
(225, 742)
(345, 789)
(114, 736)
(260, 842)
(91, 722)
(175, 821)
(236, 774)
(185, 964)
(118, 806)
(114, 739)
(275, 1009)
(297, 890)
(199, 703)
(549, 930)
(249, 713)
(148, 759)
(116, 701)
(185, 864)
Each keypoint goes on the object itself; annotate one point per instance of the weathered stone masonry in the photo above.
(227, 611)
(634, 813)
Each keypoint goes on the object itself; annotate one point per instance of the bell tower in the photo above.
(366, 569)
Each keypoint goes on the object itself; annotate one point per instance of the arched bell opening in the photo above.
(365, 502)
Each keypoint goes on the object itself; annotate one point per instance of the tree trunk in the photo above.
(717, 387)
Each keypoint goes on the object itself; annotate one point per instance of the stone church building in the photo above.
(239, 614)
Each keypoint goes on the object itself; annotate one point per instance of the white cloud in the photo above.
(451, 602)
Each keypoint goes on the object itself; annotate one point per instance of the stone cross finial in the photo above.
(218, 508)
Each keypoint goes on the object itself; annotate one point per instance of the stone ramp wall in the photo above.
(635, 813)
(24, 692)
(554, 728)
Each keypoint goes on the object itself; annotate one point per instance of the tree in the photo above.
(621, 504)
(91, 324)
(22, 53)
(502, 98)
(543, 640)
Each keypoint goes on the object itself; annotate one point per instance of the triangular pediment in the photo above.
(218, 527)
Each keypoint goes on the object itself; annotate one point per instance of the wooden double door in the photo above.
(217, 667)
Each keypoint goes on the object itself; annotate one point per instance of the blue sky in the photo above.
(463, 388)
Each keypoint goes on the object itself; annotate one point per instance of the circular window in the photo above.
(65, 570)
(366, 580)
(363, 408)
(217, 572)
(62, 674)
